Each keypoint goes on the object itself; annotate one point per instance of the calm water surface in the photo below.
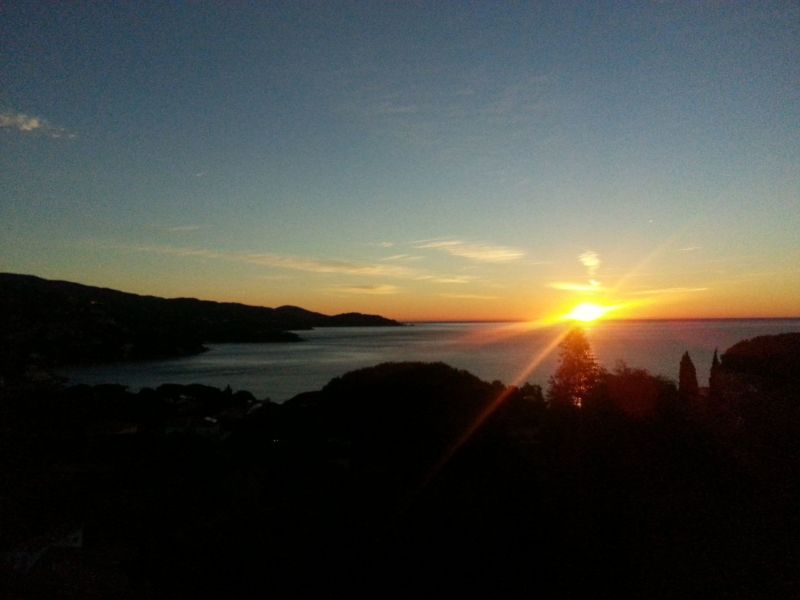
(503, 351)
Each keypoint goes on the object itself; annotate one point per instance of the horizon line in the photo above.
(637, 320)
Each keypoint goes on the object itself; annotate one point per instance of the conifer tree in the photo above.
(577, 372)
(714, 376)
(687, 378)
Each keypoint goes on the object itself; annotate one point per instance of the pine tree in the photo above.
(687, 378)
(714, 376)
(577, 372)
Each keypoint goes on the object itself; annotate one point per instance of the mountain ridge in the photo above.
(56, 322)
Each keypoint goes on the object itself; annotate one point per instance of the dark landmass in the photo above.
(774, 357)
(412, 480)
(57, 322)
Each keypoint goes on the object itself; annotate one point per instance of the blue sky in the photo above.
(422, 160)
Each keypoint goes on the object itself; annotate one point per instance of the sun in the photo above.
(587, 312)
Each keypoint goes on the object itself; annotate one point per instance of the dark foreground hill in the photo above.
(371, 485)
(58, 322)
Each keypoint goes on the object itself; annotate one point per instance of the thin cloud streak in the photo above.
(672, 290)
(470, 296)
(455, 280)
(294, 263)
(325, 266)
(402, 257)
(310, 265)
(378, 290)
(477, 252)
(448, 279)
(592, 286)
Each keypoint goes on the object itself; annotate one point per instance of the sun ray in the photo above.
(537, 359)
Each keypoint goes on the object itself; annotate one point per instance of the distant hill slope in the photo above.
(59, 322)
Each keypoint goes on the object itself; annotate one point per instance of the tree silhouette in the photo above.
(687, 378)
(714, 376)
(577, 372)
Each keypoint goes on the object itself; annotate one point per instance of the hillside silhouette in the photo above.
(59, 322)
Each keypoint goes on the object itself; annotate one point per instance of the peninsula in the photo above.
(59, 322)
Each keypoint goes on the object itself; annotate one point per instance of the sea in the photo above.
(513, 353)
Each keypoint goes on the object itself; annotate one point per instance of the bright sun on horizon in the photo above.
(588, 312)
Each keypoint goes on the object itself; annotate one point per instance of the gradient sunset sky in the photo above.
(417, 160)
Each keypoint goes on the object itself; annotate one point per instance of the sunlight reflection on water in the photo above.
(489, 350)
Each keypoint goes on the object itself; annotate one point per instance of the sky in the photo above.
(424, 161)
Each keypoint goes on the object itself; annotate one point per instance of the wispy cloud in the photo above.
(591, 261)
(295, 263)
(309, 265)
(448, 279)
(591, 287)
(469, 296)
(21, 121)
(671, 290)
(325, 266)
(30, 124)
(455, 279)
(402, 257)
(477, 252)
(275, 277)
(378, 290)
(688, 249)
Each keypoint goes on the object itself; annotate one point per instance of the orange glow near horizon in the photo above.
(533, 305)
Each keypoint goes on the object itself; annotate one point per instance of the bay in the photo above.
(511, 352)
